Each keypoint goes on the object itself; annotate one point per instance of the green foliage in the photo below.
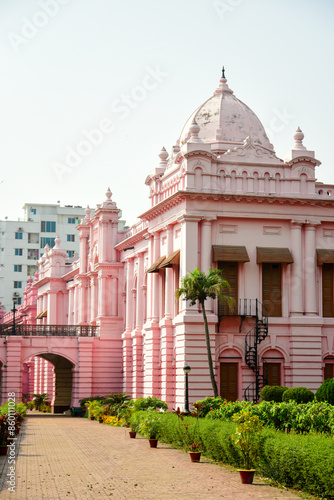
(300, 418)
(326, 391)
(198, 285)
(40, 400)
(95, 408)
(83, 401)
(303, 462)
(228, 408)
(3, 429)
(135, 420)
(273, 393)
(298, 394)
(299, 461)
(150, 424)
(190, 434)
(116, 404)
(247, 437)
(149, 403)
(208, 404)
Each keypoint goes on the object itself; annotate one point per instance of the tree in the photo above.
(198, 286)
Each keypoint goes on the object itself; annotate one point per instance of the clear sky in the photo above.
(136, 70)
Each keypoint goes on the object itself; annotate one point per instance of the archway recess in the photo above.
(61, 399)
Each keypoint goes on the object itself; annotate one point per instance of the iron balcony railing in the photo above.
(50, 330)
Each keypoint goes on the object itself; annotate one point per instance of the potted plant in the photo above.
(150, 426)
(93, 408)
(30, 405)
(190, 435)
(247, 440)
(134, 424)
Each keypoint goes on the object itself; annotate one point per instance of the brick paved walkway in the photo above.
(63, 457)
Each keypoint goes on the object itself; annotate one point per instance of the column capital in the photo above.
(189, 218)
(297, 224)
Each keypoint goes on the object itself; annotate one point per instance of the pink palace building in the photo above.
(109, 321)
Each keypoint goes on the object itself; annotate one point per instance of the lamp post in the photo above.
(186, 370)
(14, 299)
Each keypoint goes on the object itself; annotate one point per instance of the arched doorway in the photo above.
(62, 396)
(51, 374)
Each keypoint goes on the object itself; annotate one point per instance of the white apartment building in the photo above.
(22, 242)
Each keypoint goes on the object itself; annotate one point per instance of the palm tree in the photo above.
(198, 286)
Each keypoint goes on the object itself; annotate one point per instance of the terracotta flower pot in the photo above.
(246, 476)
(132, 434)
(153, 443)
(195, 456)
(3, 450)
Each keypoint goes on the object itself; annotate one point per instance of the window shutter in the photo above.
(230, 274)
(271, 289)
(327, 291)
(328, 371)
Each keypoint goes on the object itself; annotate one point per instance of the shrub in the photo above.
(273, 393)
(326, 391)
(208, 404)
(149, 403)
(229, 408)
(298, 394)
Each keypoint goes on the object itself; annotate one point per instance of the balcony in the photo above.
(50, 330)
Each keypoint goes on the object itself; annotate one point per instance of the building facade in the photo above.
(22, 241)
(221, 198)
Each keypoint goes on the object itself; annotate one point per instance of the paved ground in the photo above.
(63, 457)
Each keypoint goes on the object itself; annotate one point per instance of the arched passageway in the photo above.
(62, 396)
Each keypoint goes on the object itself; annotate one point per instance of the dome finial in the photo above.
(298, 137)
(223, 72)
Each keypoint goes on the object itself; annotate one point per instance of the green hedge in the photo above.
(326, 391)
(298, 461)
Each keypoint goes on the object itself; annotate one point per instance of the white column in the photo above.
(296, 288)
(310, 271)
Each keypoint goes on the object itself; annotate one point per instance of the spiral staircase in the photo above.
(254, 308)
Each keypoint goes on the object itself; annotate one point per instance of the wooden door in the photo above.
(272, 289)
(230, 274)
(327, 291)
(229, 381)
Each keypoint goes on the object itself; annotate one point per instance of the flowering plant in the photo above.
(190, 434)
(247, 437)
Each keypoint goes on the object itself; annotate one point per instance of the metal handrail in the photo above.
(26, 330)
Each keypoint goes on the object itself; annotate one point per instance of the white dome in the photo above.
(226, 121)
